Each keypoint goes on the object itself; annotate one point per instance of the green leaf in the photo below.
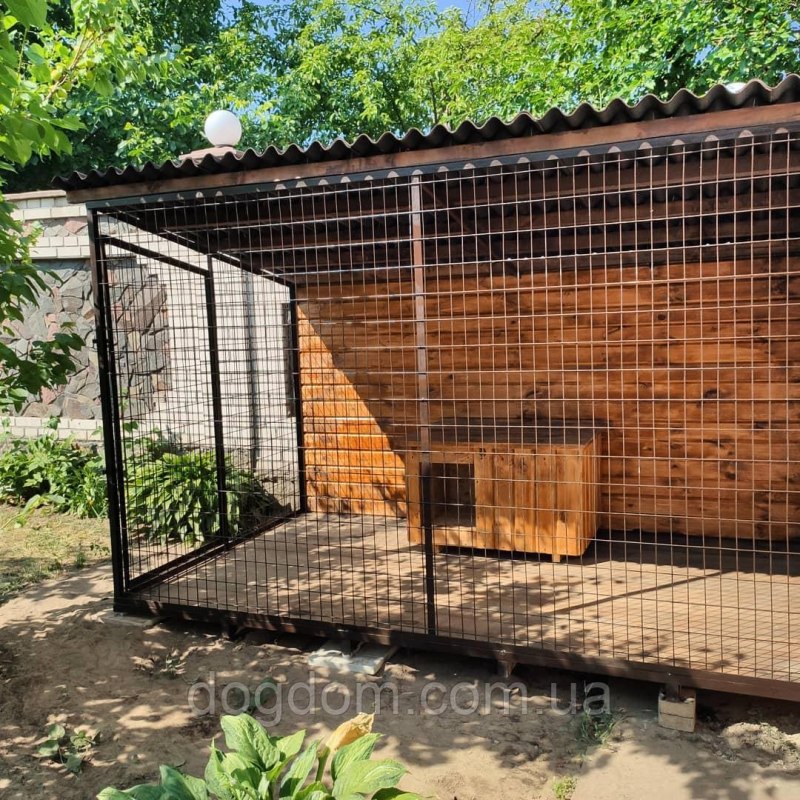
(299, 771)
(395, 794)
(314, 791)
(366, 777)
(48, 749)
(144, 791)
(147, 791)
(247, 737)
(55, 731)
(29, 12)
(289, 746)
(359, 750)
(182, 787)
(245, 776)
(74, 763)
(217, 778)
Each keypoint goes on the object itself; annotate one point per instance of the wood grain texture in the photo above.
(694, 369)
(535, 498)
(642, 599)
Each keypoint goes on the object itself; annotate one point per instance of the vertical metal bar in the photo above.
(216, 399)
(418, 261)
(109, 404)
(298, 400)
(252, 368)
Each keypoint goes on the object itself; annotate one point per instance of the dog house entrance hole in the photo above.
(453, 495)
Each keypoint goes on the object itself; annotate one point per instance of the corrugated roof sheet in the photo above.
(683, 103)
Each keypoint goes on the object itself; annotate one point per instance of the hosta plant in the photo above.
(172, 493)
(258, 766)
(52, 471)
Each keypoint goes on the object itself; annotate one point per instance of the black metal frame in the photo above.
(112, 434)
(296, 404)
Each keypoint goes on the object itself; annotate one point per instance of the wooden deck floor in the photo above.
(709, 608)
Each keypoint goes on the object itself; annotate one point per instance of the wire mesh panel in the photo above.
(547, 405)
(614, 351)
(627, 361)
(199, 376)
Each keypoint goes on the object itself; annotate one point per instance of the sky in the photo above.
(462, 4)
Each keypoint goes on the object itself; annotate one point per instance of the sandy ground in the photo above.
(65, 658)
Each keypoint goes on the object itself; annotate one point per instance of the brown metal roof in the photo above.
(683, 103)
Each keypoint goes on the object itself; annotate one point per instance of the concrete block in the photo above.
(678, 713)
(44, 252)
(38, 194)
(367, 659)
(64, 212)
(108, 616)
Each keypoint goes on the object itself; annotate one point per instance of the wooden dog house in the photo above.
(536, 490)
(525, 389)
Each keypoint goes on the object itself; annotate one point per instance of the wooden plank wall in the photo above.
(692, 365)
(692, 368)
(351, 466)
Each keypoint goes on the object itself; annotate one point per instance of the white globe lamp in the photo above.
(223, 129)
(735, 87)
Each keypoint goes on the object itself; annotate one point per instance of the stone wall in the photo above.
(62, 253)
(139, 305)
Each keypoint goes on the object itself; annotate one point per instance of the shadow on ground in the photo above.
(64, 658)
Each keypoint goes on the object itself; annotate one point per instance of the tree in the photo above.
(39, 68)
(161, 37)
(296, 70)
(505, 62)
(628, 48)
(520, 56)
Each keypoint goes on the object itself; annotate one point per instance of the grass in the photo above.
(564, 788)
(595, 730)
(44, 545)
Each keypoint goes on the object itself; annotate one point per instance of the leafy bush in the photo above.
(172, 493)
(52, 471)
(261, 767)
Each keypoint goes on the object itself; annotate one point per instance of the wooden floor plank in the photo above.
(731, 612)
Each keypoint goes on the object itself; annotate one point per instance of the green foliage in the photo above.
(46, 363)
(564, 788)
(53, 472)
(628, 49)
(596, 729)
(296, 70)
(262, 766)
(173, 493)
(69, 749)
(521, 56)
(40, 66)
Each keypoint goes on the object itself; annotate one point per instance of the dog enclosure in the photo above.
(529, 390)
